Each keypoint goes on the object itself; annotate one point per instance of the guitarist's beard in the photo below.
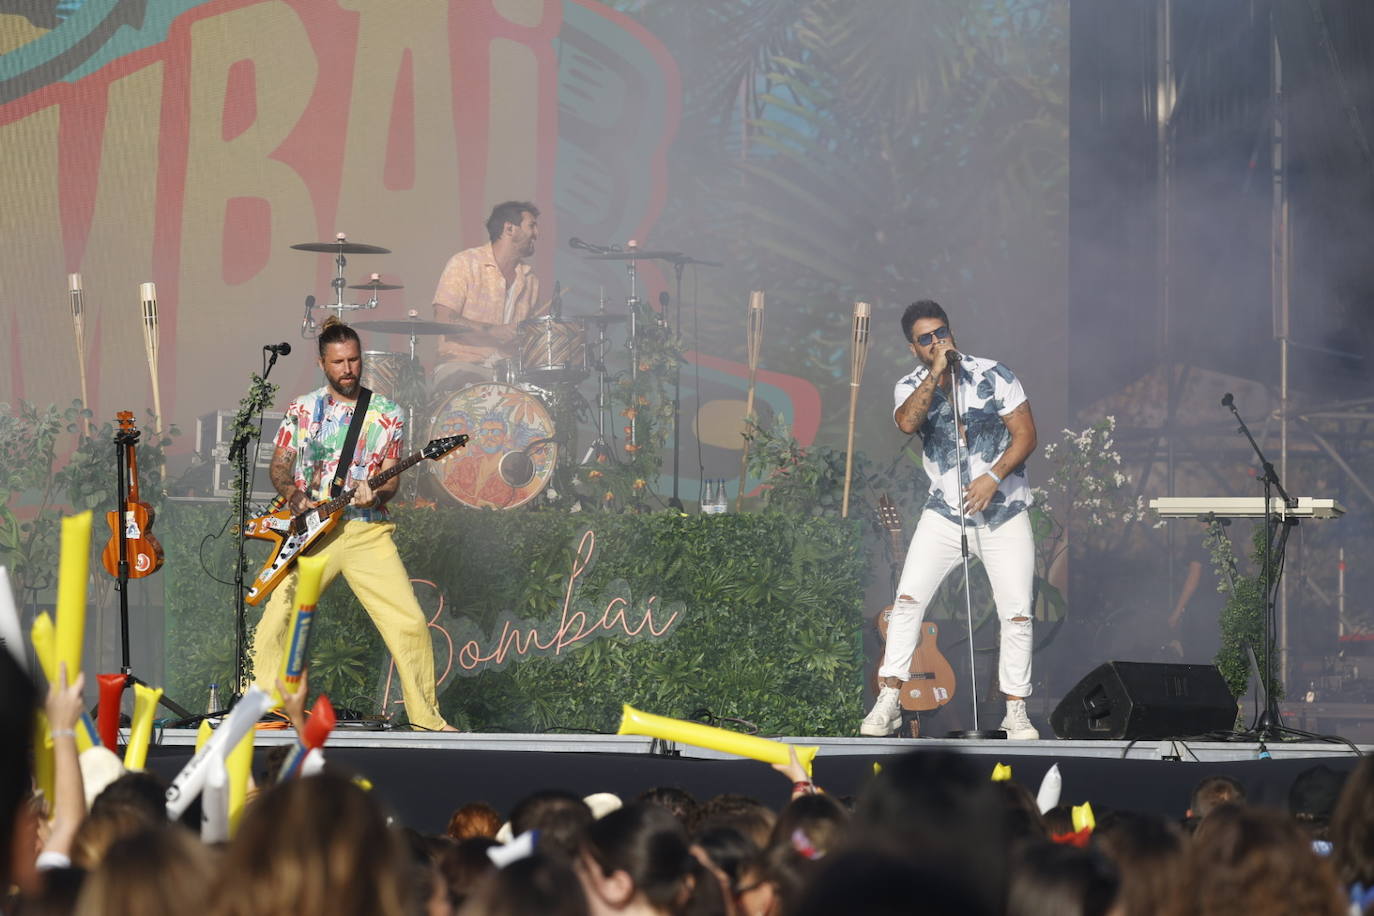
(348, 392)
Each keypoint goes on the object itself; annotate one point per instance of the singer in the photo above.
(998, 435)
(309, 450)
(485, 292)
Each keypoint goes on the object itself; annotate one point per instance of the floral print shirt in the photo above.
(988, 391)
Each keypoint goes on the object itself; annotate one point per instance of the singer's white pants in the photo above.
(1008, 555)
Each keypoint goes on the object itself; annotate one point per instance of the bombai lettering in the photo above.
(581, 620)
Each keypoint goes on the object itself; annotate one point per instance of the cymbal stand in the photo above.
(599, 448)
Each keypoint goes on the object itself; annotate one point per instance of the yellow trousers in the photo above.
(367, 557)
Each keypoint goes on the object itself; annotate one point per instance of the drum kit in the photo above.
(522, 423)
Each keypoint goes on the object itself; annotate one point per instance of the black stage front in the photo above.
(424, 781)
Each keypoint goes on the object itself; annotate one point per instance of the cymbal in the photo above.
(635, 254)
(404, 326)
(341, 246)
(377, 284)
(597, 319)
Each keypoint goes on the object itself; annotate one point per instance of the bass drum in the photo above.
(503, 424)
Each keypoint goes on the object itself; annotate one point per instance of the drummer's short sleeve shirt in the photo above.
(472, 287)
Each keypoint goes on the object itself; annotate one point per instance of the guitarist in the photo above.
(998, 433)
(304, 468)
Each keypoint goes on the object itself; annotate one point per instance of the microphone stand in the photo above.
(1269, 725)
(258, 400)
(974, 733)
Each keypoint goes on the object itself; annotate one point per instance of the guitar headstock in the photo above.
(438, 448)
(888, 516)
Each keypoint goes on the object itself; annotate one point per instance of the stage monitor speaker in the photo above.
(1131, 700)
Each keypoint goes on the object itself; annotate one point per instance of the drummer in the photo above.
(487, 291)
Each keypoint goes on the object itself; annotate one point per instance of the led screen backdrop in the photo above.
(821, 151)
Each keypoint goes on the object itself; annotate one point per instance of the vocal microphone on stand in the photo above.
(281, 349)
(308, 322)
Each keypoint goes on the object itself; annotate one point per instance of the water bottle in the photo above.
(212, 705)
(722, 500)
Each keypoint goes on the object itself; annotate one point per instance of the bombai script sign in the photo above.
(583, 618)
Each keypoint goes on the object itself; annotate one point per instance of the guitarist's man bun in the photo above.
(335, 331)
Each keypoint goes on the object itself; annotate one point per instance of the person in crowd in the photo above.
(679, 801)
(817, 823)
(728, 851)
(159, 871)
(638, 860)
(464, 866)
(1050, 879)
(773, 883)
(1022, 812)
(988, 496)
(868, 882)
(1150, 853)
(940, 811)
(537, 885)
(315, 846)
(1212, 792)
(1254, 861)
(17, 817)
(559, 816)
(1312, 800)
(473, 819)
(749, 816)
(133, 803)
(1352, 833)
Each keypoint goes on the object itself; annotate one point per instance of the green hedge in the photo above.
(770, 630)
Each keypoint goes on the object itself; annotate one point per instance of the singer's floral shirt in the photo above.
(315, 427)
(988, 391)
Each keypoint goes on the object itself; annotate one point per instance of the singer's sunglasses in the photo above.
(928, 338)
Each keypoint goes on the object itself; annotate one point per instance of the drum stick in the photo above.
(78, 304)
(755, 344)
(147, 294)
(858, 355)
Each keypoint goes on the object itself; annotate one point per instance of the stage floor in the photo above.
(424, 777)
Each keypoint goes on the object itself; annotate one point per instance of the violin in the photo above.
(142, 550)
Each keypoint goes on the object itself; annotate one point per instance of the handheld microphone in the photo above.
(281, 349)
(953, 356)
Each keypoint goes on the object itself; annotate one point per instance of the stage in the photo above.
(423, 777)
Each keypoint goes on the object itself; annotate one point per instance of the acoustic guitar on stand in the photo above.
(293, 535)
(931, 684)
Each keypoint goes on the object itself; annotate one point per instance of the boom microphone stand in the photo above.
(258, 401)
(975, 733)
(1269, 725)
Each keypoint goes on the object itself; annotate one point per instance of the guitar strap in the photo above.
(350, 442)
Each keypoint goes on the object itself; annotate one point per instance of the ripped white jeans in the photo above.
(1008, 555)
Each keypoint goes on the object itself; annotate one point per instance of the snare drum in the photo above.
(500, 420)
(552, 350)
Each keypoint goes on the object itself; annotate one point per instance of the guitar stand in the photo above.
(123, 440)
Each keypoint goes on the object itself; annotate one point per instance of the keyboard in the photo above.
(1244, 507)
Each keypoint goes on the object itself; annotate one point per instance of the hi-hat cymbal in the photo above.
(341, 246)
(635, 254)
(404, 326)
(597, 319)
(377, 284)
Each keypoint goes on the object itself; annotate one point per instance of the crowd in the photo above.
(930, 833)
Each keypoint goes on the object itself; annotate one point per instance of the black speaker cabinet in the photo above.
(1130, 700)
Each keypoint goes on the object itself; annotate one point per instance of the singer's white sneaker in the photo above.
(1017, 724)
(886, 715)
